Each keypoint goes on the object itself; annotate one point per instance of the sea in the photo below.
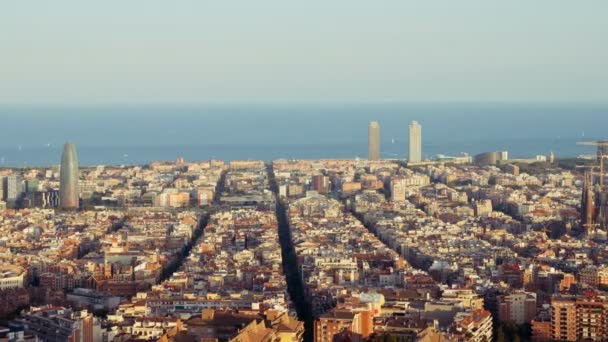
(138, 134)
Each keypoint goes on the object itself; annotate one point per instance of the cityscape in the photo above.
(459, 248)
(313, 171)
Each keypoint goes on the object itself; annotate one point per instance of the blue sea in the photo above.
(130, 134)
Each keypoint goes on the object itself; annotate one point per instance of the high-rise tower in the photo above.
(415, 155)
(12, 188)
(374, 141)
(68, 186)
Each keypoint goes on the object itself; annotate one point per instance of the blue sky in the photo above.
(191, 51)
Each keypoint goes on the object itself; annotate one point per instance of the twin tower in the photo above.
(69, 193)
(415, 146)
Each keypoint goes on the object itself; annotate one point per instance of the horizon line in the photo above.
(302, 102)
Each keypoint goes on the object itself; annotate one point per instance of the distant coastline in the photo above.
(131, 134)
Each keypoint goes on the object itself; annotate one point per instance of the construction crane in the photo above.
(602, 153)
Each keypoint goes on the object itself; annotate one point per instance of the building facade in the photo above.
(415, 148)
(517, 307)
(374, 141)
(320, 184)
(12, 188)
(358, 325)
(473, 326)
(11, 277)
(58, 324)
(594, 276)
(579, 318)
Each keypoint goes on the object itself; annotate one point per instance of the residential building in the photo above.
(579, 318)
(518, 307)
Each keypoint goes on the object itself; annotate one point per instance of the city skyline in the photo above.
(306, 132)
(258, 171)
(258, 235)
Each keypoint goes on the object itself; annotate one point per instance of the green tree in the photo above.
(500, 336)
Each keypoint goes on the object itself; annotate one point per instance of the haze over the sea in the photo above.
(139, 134)
(135, 81)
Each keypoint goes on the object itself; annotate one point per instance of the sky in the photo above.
(200, 51)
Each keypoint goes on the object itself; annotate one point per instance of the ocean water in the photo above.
(33, 135)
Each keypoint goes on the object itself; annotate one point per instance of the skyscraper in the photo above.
(374, 141)
(320, 184)
(12, 188)
(415, 154)
(68, 186)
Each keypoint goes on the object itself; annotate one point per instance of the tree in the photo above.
(500, 336)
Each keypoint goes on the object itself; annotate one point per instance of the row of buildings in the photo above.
(170, 185)
(179, 251)
(230, 286)
(358, 285)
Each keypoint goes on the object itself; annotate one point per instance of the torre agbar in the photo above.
(68, 188)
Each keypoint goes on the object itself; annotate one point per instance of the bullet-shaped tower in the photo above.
(68, 181)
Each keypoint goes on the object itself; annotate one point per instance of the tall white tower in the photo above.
(415, 154)
(374, 141)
